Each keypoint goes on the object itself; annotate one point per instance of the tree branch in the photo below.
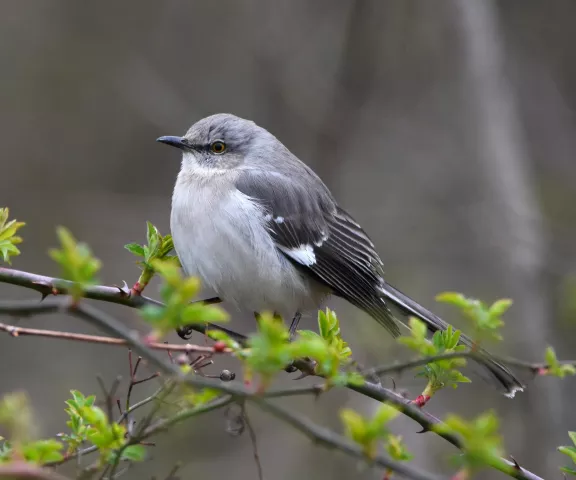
(28, 471)
(329, 439)
(15, 331)
(398, 367)
(234, 389)
(47, 286)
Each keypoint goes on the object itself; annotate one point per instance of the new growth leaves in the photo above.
(439, 373)
(486, 320)
(88, 423)
(177, 310)
(17, 420)
(158, 247)
(481, 442)
(269, 350)
(554, 367)
(569, 451)
(76, 262)
(369, 432)
(8, 237)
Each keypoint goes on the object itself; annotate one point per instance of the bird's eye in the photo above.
(218, 147)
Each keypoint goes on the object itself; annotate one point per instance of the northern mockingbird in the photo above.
(260, 228)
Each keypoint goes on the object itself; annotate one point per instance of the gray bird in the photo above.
(260, 228)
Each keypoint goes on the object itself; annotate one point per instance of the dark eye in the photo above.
(218, 147)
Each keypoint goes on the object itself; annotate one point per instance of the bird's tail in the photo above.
(502, 377)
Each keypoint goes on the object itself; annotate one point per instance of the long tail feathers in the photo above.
(503, 378)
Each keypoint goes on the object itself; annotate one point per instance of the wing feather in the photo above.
(321, 238)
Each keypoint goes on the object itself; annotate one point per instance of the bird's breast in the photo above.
(220, 235)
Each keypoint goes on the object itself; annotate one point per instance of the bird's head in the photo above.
(222, 142)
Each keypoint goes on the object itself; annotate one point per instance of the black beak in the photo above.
(172, 141)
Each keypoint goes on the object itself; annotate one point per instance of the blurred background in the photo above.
(446, 128)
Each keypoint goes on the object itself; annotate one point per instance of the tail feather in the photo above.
(502, 377)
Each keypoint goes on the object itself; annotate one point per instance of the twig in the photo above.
(80, 337)
(428, 422)
(330, 439)
(254, 442)
(398, 367)
(28, 471)
(56, 286)
(111, 326)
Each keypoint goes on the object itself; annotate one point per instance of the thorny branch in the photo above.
(80, 337)
(233, 391)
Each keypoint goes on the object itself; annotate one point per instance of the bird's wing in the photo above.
(319, 237)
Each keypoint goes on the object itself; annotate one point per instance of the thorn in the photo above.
(204, 365)
(197, 361)
(124, 290)
(424, 430)
(516, 464)
(47, 289)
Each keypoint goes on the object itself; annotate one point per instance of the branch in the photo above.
(428, 422)
(28, 471)
(233, 390)
(81, 337)
(113, 327)
(398, 367)
(47, 286)
(329, 439)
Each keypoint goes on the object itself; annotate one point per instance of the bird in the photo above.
(260, 228)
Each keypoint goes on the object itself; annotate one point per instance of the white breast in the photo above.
(220, 236)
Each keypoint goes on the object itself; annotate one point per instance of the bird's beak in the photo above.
(173, 141)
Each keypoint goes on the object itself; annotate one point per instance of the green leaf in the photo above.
(135, 248)
(554, 367)
(486, 321)
(134, 453)
(355, 425)
(157, 248)
(8, 237)
(570, 452)
(482, 444)
(177, 292)
(43, 451)
(76, 262)
(417, 339)
(500, 307)
(397, 450)
(16, 416)
(367, 432)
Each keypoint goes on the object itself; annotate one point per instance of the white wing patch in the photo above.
(304, 254)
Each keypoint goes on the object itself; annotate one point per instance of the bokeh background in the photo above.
(445, 127)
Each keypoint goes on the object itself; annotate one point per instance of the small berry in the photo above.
(227, 376)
